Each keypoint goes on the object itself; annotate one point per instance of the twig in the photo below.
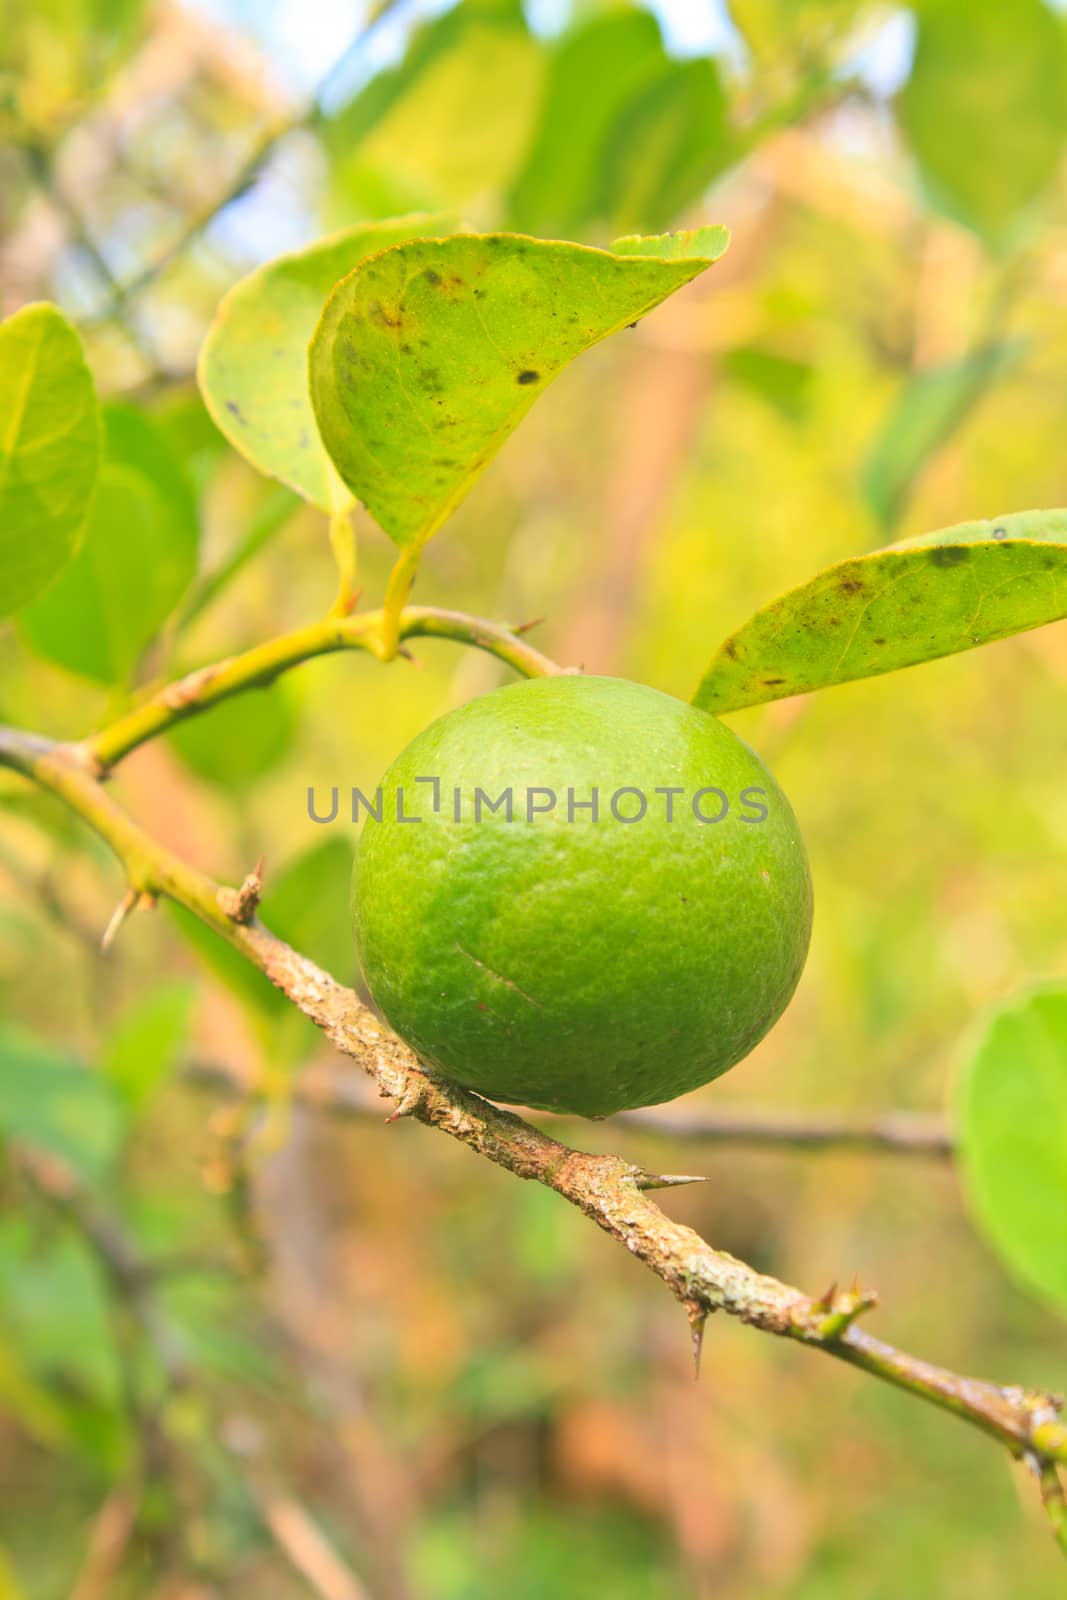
(246, 175)
(39, 160)
(307, 1548)
(108, 1543)
(897, 1132)
(604, 1187)
(200, 690)
(894, 1132)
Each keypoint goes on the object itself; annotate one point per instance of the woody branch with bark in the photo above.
(613, 1192)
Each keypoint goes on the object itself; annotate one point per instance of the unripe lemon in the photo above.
(572, 961)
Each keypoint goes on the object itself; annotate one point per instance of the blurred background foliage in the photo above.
(359, 1362)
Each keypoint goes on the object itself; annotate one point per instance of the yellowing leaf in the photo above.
(909, 603)
(253, 364)
(429, 355)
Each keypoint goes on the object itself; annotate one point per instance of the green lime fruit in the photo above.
(580, 894)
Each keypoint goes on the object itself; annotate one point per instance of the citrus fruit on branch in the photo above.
(580, 894)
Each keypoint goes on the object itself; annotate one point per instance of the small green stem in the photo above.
(200, 690)
(343, 545)
(399, 587)
(1054, 1502)
(430, 622)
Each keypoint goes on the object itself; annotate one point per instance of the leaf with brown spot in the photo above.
(493, 318)
(911, 602)
(253, 364)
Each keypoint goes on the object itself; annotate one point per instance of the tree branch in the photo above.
(250, 169)
(199, 691)
(902, 1133)
(348, 1094)
(605, 1187)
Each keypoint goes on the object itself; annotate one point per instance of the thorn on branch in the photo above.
(240, 904)
(132, 900)
(409, 1102)
(667, 1180)
(832, 1314)
(528, 627)
(826, 1299)
(698, 1316)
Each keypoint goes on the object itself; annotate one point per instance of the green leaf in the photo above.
(682, 245)
(667, 145)
(930, 408)
(596, 71)
(51, 1101)
(253, 364)
(420, 128)
(49, 451)
(54, 1301)
(183, 418)
(911, 602)
(430, 354)
(276, 505)
(782, 381)
(138, 557)
(238, 740)
(984, 108)
(1011, 1113)
(141, 1047)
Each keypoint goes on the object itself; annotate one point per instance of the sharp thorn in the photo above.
(698, 1317)
(406, 1106)
(668, 1180)
(527, 627)
(127, 904)
(838, 1317)
(826, 1299)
